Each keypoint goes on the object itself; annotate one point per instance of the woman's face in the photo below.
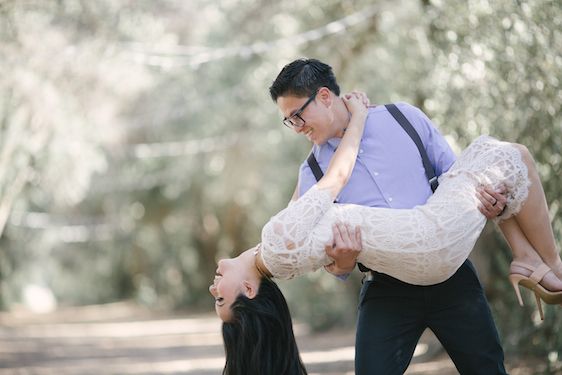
(233, 277)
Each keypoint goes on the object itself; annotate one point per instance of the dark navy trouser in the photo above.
(393, 315)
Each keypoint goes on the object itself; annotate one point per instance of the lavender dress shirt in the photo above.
(389, 171)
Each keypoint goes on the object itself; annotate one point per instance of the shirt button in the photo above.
(390, 199)
(361, 151)
(376, 173)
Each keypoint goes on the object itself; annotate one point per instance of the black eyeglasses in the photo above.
(295, 121)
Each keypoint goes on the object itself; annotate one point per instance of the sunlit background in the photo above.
(138, 142)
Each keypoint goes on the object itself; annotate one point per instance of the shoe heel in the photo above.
(515, 284)
(539, 305)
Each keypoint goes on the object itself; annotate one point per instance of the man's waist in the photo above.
(370, 275)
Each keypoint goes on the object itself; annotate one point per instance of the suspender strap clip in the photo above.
(433, 183)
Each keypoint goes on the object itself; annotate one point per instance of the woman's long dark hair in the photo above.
(259, 339)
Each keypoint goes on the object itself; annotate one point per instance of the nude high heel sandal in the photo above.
(532, 282)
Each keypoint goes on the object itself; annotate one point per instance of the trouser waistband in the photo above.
(368, 276)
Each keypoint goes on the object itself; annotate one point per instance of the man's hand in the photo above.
(345, 249)
(492, 201)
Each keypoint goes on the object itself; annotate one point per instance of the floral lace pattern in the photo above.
(424, 245)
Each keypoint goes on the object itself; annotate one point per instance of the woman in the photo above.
(424, 245)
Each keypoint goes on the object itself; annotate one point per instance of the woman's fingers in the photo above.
(361, 96)
(354, 105)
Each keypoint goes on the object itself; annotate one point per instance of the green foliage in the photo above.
(138, 144)
(497, 72)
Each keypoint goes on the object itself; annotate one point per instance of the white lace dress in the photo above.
(424, 245)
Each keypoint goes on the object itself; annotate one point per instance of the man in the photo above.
(389, 173)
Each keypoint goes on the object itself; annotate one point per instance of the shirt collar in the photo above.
(334, 142)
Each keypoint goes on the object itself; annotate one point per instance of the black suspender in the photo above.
(409, 129)
(313, 164)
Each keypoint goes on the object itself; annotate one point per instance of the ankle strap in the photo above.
(537, 274)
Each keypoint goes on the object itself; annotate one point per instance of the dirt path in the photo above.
(125, 339)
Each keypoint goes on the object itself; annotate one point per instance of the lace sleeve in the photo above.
(287, 248)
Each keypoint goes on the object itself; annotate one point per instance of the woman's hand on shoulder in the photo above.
(357, 103)
(360, 95)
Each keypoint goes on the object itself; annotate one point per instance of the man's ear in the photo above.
(325, 96)
(250, 289)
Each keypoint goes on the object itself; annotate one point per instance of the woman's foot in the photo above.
(556, 267)
(538, 277)
(525, 267)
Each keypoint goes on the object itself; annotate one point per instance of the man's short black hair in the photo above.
(303, 77)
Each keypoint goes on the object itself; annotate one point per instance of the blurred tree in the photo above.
(497, 71)
(59, 106)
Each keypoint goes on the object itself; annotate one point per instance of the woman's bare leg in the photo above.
(524, 252)
(533, 219)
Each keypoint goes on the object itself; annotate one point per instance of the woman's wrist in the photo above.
(357, 121)
(360, 117)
